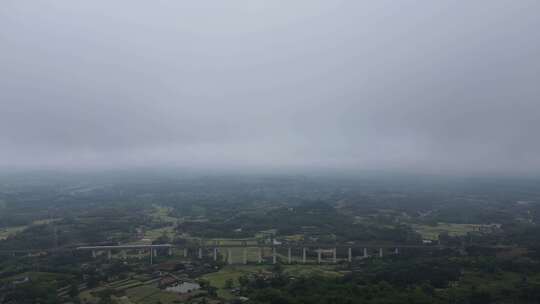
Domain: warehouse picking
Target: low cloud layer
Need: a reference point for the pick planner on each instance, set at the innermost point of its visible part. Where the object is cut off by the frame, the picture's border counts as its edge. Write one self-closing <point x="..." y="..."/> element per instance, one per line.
<point x="437" y="86"/>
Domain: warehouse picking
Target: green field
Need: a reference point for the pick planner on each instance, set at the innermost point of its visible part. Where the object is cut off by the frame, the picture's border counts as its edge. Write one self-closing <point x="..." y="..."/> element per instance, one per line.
<point x="494" y="282"/>
<point x="161" y="213"/>
<point x="9" y="231"/>
<point x="87" y="297"/>
<point x="149" y="294"/>
<point x="218" y="279"/>
<point x="237" y="253"/>
<point x="6" y="232"/>
<point x="39" y="276"/>
<point x="233" y="272"/>
<point x="498" y="284"/>
<point x="294" y="238"/>
<point x="135" y="292"/>
<point x="156" y="233"/>
<point x="432" y="232"/>
<point x="230" y="242"/>
<point x="327" y="271"/>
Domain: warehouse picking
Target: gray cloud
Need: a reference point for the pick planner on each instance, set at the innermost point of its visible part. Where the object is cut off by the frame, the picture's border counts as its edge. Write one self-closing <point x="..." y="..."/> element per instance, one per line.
<point x="439" y="86"/>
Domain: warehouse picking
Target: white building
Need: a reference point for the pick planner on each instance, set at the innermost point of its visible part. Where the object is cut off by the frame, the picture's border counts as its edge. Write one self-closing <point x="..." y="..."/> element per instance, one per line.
<point x="184" y="287"/>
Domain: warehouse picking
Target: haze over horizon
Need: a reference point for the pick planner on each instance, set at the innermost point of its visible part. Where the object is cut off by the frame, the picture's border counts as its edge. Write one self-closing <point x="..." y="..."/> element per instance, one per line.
<point x="421" y="86"/>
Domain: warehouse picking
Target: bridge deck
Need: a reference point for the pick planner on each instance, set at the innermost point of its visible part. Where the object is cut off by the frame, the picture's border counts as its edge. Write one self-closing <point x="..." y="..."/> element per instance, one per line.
<point x="208" y="247"/>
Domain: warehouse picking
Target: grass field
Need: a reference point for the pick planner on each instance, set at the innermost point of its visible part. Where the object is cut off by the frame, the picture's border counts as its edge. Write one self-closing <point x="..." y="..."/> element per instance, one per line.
<point x="149" y="294"/>
<point x="161" y="213"/>
<point x="233" y="272"/>
<point x="9" y="231"/>
<point x="327" y="271"/>
<point x="122" y="300"/>
<point x="120" y="282"/>
<point x="493" y="282"/>
<point x="294" y="237"/>
<point x="6" y="232"/>
<point x="432" y="232"/>
<point x="252" y="254"/>
<point x="231" y="242"/>
<point x="218" y="279"/>
<point x="497" y="284"/>
<point x="135" y="292"/>
<point x="156" y="233"/>
<point x="39" y="276"/>
<point x="87" y="297"/>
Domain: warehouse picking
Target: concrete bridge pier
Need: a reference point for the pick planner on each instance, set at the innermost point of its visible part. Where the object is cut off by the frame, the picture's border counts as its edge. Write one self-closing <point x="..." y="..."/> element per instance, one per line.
<point x="215" y="254"/>
<point x="349" y="258"/>
<point x="155" y="252"/>
<point x="365" y="253"/>
<point x="319" y="255"/>
<point x="93" y="254"/>
<point x="380" y="252"/>
<point x="289" y="256"/>
<point x="303" y="255"/>
<point x="274" y="258"/>
<point x="260" y="255"/>
<point x="396" y="251"/>
<point x="185" y="252"/>
<point x="229" y="256"/>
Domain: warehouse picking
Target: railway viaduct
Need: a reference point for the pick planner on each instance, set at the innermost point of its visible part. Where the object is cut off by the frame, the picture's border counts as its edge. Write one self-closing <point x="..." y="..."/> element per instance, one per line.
<point x="325" y="253"/>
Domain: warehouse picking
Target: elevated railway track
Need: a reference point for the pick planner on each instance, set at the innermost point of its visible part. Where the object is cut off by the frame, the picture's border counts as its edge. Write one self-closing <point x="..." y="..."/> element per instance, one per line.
<point x="323" y="252"/>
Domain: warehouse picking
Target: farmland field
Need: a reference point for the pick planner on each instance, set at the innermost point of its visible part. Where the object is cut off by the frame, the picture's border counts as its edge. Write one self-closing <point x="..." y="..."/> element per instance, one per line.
<point x="149" y="294"/>
<point x="10" y="231"/>
<point x="432" y="232"/>
<point x="218" y="279"/>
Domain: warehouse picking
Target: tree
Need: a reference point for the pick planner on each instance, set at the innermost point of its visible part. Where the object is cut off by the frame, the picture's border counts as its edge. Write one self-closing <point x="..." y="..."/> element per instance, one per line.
<point x="163" y="239"/>
<point x="73" y="290"/>
<point x="480" y="297"/>
<point x="229" y="284"/>
<point x="243" y="281"/>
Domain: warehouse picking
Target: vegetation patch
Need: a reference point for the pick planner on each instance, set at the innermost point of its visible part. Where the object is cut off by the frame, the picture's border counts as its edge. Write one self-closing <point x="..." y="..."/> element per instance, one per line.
<point x="9" y="231"/>
<point x="149" y="294"/>
<point x="40" y="277"/>
<point x="230" y="273"/>
<point x="429" y="232"/>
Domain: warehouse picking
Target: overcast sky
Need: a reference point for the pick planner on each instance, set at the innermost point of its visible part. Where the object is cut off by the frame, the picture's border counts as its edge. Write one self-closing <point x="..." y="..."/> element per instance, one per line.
<point x="436" y="86"/>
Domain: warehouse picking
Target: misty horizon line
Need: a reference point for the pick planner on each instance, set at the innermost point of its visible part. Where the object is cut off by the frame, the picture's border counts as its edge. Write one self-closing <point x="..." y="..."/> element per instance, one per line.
<point x="261" y="171"/>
